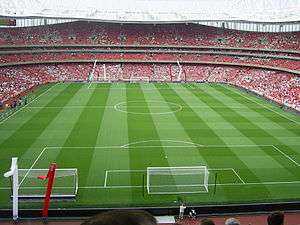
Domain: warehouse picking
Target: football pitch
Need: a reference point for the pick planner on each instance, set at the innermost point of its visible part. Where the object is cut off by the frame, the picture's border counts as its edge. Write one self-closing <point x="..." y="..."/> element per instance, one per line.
<point x="112" y="132"/>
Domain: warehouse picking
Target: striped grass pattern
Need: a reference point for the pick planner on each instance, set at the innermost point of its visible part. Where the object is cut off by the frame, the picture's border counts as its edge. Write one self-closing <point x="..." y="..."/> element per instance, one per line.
<point x="113" y="132"/>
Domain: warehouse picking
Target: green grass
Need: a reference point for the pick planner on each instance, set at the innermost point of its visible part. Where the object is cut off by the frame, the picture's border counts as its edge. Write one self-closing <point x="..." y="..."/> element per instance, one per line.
<point x="118" y="130"/>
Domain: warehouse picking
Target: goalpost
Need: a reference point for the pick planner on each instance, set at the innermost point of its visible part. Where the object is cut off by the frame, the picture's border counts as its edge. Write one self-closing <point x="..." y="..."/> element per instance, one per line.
<point x="134" y="79"/>
<point x="92" y="73"/>
<point x="13" y="172"/>
<point x="180" y="71"/>
<point x="104" y="76"/>
<point x="66" y="183"/>
<point x="177" y="180"/>
<point x="27" y="184"/>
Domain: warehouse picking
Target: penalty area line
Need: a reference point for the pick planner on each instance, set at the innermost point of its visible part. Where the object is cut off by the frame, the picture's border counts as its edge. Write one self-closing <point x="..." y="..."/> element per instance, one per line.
<point x="128" y="146"/>
<point x="225" y="184"/>
<point x="285" y="155"/>
<point x="238" y="176"/>
<point x="41" y="153"/>
<point x="105" y="180"/>
<point x="143" y="171"/>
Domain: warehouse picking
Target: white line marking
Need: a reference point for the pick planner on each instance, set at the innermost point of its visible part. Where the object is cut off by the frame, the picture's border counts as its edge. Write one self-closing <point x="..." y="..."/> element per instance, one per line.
<point x="187" y="146"/>
<point x="162" y="146"/>
<point x="89" y="147"/>
<point x="118" y="107"/>
<point x="109" y="106"/>
<point x="287" y="156"/>
<point x="220" y="169"/>
<point x="160" y="141"/>
<point x="126" y="146"/>
<point x="77" y="147"/>
<point x="137" y="171"/>
<point x="258" y="103"/>
<point x="125" y="171"/>
<point x="119" y="171"/>
<point x="238" y="146"/>
<point x="192" y="144"/>
<point x="124" y="186"/>
<point x="134" y="88"/>
<point x="105" y="180"/>
<point x="238" y="176"/>
<point x="90" y="85"/>
<point x="41" y="187"/>
<point x="205" y="146"/>
<point x="26" y="106"/>
<point x="32" y="165"/>
<point x="69" y="107"/>
<point x="227" y="184"/>
<point x="158" y="146"/>
<point x="260" y="183"/>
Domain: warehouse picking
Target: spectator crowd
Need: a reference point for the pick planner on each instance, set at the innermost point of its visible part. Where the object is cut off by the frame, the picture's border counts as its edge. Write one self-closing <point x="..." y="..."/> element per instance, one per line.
<point x="139" y="217"/>
<point x="281" y="87"/>
<point x="82" y="32"/>
<point x="282" y="63"/>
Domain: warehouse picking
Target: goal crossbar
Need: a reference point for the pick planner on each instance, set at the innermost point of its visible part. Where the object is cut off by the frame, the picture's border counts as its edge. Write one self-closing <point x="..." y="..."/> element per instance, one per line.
<point x="66" y="183"/>
<point x="30" y="183"/>
<point x="176" y="180"/>
<point x="133" y="79"/>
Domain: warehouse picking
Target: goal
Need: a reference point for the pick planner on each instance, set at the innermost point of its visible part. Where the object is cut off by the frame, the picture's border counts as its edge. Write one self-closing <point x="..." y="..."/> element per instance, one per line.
<point x="177" y="180"/>
<point x="134" y="79"/>
<point x="65" y="184"/>
<point x="29" y="184"/>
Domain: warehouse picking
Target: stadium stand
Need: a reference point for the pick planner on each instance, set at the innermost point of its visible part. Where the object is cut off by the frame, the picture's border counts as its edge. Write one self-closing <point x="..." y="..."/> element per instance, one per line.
<point x="116" y="41"/>
<point x="99" y="130"/>
<point x="162" y="34"/>
<point x="283" y="88"/>
<point x="283" y="63"/>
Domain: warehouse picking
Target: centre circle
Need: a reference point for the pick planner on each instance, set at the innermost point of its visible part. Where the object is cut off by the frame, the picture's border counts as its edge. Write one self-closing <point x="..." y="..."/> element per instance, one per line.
<point x="149" y="107"/>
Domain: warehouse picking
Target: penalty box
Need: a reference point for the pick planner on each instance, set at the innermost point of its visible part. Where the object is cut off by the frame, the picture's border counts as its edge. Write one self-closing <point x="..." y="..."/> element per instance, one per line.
<point x="108" y="162"/>
<point x="137" y="178"/>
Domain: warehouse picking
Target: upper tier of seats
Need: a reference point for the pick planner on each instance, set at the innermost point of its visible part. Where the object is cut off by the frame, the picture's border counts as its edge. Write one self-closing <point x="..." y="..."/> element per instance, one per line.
<point x="146" y="34"/>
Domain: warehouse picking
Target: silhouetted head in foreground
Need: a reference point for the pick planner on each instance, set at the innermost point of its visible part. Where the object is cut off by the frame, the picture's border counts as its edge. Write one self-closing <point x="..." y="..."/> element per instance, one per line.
<point x="122" y="217"/>
<point x="232" y="221"/>
<point x="207" y="222"/>
<point x="276" y="218"/>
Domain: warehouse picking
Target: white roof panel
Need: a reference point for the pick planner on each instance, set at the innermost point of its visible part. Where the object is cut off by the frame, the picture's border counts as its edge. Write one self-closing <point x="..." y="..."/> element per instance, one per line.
<point x="156" y="10"/>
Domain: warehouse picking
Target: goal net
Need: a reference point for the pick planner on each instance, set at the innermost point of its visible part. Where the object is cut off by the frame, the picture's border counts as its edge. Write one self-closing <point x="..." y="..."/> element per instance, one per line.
<point x="133" y="79"/>
<point x="176" y="180"/>
<point x="102" y="75"/>
<point x="92" y="73"/>
<point x="65" y="183"/>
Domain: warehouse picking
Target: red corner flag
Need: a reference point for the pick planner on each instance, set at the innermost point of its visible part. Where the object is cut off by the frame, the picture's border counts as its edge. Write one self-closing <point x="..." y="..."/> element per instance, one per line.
<point x="50" y="176"/>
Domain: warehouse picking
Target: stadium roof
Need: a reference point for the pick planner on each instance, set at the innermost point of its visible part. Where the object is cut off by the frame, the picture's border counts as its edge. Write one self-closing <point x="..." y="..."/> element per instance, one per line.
<point x="155" y="10"/>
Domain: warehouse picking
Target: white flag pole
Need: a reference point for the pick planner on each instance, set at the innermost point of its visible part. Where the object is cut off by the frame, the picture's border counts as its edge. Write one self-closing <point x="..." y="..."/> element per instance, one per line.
<point x="15" y="185"/>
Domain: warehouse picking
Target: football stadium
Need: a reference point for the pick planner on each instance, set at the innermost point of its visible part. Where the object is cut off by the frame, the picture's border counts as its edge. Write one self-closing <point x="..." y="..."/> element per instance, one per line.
<point x="179" y="108"/>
